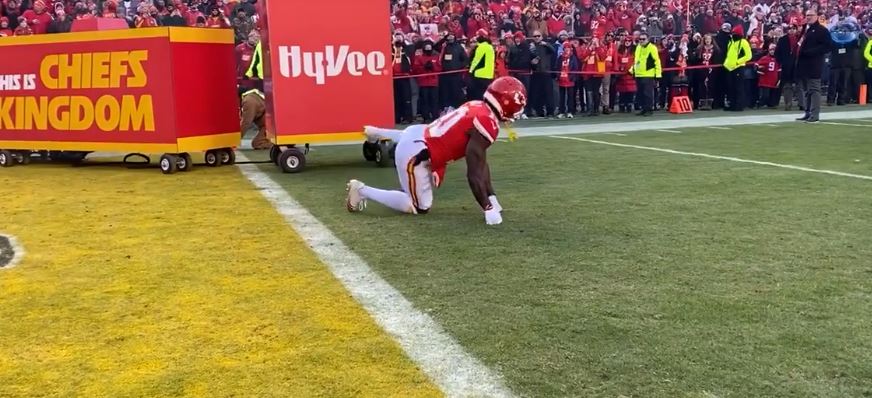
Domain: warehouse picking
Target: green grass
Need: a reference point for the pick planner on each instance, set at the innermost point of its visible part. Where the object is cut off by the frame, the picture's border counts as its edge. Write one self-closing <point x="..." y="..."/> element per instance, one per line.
<point x="624" y="272"/>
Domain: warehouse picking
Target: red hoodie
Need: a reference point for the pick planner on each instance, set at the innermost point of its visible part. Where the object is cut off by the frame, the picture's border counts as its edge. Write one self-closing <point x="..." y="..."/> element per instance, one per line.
<point x="419" y="67"/>
<point x="42" y="21"/>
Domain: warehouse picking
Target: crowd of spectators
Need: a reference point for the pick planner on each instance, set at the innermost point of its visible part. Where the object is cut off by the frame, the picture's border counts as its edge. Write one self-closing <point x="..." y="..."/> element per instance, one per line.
<point x="573" y="56"/>
<point x="30" y="17"/>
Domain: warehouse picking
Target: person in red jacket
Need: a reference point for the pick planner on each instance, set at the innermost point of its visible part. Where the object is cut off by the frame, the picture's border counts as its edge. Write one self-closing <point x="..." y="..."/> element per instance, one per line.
<point x="593" y="59"/>
<point x="502" y="53"/>
<point x="38" y="18"/>
<point x="768" y="69"/>
<point x="427" y="64"/>
<point x="567" y="66"/>
<point x="217" y="19"/>
<point x="4" y="27"/>
<point x="626" y="85"/>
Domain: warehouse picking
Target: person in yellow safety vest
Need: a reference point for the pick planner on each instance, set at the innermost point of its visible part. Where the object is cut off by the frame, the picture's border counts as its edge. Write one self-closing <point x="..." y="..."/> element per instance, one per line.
<point x="867" y="53"/>
<point x="255" y="70"/>
<point x="254" y="111"/>
<point x="482" y="67"/>
<point x="645" y="69"/>
<point x="738" y="54"/>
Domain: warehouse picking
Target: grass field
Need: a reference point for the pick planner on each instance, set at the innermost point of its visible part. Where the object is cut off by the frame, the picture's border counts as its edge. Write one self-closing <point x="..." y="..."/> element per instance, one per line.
<point x="137" y="284"/>
<point x="630" y="271"/>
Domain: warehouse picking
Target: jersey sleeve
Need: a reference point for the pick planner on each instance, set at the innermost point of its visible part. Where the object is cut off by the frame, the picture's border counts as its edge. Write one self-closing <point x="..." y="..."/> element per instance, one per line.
<point x="487" y="126"/>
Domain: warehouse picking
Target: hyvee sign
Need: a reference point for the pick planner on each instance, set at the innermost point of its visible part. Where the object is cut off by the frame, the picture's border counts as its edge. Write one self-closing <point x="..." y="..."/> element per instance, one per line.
<point x="322" y="80"/>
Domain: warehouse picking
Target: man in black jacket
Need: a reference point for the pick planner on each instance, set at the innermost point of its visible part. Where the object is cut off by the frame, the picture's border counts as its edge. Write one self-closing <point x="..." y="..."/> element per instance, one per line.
<point x="841" y="63"/>
<point x="453" y="58"/>
<point x="814" y="44"/>
<point x="719" y="79"/>
<point x="519" y="58"/>
<point x="541" y="82"/>
<point x="785" y="54"/>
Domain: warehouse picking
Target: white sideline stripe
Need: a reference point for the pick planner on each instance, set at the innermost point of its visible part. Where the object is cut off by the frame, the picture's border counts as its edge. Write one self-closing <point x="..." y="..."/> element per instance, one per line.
<point x="730" y="158"/>
<point x="846" y="124"/>
<point x="19" y="252"/>
<point x="770" y="125"/>
<point x="718" y="128"/>
<point x="617" y="134"/>
<point x="679" y="123"/>
<point x="670" y="131"/>
<point x="448" y="365"/>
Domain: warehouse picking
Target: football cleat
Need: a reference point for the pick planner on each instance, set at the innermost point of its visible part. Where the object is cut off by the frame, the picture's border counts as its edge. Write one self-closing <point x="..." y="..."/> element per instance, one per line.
<point x="354" y="202"/>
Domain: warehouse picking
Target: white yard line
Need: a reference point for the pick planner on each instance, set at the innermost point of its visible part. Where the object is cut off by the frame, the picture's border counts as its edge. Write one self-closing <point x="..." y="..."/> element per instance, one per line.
<point x="770" y="125"/>
<point x="669" y="131"/>
<point x="729" y="158"/>
<point x="449" y="366"/>
<point x="676" y="123"/>
<point x="718" y="128"/>
<point x="617" y="134"/>
<point x="846" y="124"/>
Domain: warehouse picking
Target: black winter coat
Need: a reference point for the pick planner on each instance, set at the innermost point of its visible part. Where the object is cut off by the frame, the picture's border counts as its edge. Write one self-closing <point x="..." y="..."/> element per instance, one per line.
<point x="786" y="59"/>
<point x="815" y="44"/>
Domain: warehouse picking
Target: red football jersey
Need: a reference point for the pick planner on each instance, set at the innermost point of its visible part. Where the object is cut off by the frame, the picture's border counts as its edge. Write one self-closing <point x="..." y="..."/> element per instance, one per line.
<point x="768" y="69"/>
<point x="448" y="136"/>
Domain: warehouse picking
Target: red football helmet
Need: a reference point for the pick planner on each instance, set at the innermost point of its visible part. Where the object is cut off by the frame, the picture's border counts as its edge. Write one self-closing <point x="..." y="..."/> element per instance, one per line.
<point x="508" y="96"/>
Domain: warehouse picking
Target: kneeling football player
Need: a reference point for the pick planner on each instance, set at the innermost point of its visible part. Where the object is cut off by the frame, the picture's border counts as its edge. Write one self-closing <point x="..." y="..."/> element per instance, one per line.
<point x="424" y="151"/>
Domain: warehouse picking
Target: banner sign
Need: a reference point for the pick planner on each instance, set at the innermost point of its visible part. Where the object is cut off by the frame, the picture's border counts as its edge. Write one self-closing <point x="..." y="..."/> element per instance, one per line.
<point x="324" y="83"/>
<point x="124" y="86"/>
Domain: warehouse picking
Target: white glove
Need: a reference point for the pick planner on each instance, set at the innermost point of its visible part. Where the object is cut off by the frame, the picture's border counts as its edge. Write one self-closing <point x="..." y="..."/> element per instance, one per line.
<point x="493" y="217"/>
<point x="494" y="203"/>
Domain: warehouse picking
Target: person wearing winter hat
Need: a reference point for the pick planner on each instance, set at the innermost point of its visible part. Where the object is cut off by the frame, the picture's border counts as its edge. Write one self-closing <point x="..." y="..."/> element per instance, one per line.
<point x="426" y="65"/>
<point x="482" y="67"/>
<point x="738" y="54"/>
<point x="38" y="18"/>
<point x="4" y="27"/>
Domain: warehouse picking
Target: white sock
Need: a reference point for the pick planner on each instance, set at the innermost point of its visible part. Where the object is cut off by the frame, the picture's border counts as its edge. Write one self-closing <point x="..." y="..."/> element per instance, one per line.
<point x="397" y="200"/>
<point x="380" y="133"/>
<point x="494" y="203"/>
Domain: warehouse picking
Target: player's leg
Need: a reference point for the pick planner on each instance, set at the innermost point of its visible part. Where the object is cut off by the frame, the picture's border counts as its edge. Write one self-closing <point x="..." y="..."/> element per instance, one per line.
<point x="374" y="134"/>
<point x="409" y="145"/>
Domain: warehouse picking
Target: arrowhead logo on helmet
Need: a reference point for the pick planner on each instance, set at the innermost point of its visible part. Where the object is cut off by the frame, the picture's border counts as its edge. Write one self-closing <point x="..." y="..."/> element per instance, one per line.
<point x="507" y="96"/>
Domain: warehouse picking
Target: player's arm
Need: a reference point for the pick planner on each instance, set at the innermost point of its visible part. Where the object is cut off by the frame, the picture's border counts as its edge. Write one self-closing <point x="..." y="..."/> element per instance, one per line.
<point x="477" y="171"/>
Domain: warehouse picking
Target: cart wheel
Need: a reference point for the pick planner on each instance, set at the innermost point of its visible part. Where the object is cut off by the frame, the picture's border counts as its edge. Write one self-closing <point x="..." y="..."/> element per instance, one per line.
<point x="383" y="155"/>
<point x="169" y="163"/>
<point x="6" y="159"/>
<point x="213" y="159"/>
<point x="227" y="156"/>
<point x="77" y="157"/>
<point x="274" y="153"/>
<point x="369" y="150"/>
<point x="292" y="160"/>
<point x="24" y="157"/>
<point x="184" y="163"/>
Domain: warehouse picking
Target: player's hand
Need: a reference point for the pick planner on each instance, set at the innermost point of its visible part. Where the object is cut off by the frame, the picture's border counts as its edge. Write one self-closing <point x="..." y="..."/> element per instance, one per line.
<point x="492" y="216"/>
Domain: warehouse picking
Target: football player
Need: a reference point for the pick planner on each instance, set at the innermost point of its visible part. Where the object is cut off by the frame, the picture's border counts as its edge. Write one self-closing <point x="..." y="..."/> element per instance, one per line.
<point x="424" y="151"/>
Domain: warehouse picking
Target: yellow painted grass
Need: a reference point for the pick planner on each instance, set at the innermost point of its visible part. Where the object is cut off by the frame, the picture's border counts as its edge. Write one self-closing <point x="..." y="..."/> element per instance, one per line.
<point x="140" y="284"/>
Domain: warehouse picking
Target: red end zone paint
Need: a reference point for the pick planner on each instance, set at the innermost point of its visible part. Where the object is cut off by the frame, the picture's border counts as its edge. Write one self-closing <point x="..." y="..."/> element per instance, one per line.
<point x="144" y="89"/>
<point x="323" y="83"/>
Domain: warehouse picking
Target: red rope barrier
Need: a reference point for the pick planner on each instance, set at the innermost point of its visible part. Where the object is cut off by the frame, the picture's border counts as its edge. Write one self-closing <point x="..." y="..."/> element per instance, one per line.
<point x="524" y="72"/>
